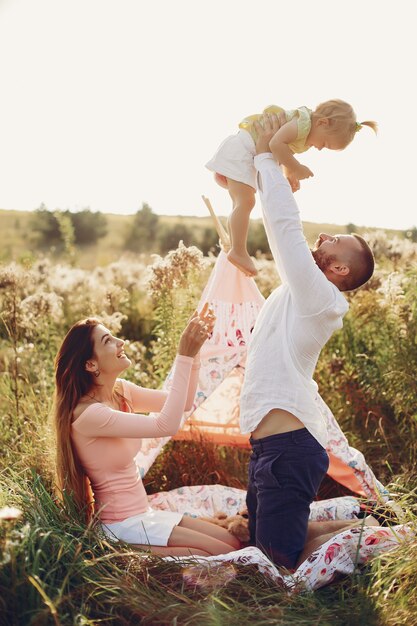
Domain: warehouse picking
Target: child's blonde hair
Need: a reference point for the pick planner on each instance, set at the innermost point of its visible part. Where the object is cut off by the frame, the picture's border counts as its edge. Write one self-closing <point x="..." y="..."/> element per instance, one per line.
<point x="342" y="119"/>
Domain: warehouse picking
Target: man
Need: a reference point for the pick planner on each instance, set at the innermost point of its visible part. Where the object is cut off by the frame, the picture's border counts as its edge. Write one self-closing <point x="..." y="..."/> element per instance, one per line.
<point x="280" y="402"/>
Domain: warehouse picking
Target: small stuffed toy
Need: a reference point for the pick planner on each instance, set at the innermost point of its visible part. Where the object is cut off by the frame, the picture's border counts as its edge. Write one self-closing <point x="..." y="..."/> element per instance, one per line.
<point x="237" y="525"/>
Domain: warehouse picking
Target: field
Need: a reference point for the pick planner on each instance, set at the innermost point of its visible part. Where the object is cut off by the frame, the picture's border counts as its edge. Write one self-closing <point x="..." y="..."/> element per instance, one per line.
<point x="53" y="570"/>
<point x="18" y="244"/>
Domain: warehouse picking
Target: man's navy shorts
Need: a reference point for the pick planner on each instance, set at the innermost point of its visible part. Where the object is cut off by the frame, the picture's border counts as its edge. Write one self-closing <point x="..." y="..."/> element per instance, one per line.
<point x="285" y="472"/>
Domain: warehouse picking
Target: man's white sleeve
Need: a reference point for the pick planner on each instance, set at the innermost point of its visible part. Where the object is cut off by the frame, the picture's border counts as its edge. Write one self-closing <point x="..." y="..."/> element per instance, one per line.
<point x="310" y="288"/>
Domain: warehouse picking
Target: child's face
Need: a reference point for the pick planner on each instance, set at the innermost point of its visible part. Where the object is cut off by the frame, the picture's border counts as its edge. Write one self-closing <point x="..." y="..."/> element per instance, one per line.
<point x="320" y="136"/>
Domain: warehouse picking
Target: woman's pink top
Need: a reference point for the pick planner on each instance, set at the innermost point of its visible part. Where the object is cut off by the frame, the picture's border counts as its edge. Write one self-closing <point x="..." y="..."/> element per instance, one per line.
<point x="107" y="440"/>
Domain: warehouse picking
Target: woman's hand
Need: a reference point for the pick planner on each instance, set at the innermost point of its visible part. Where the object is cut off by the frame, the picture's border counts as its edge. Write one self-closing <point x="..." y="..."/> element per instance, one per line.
<point x="199" y="328"/>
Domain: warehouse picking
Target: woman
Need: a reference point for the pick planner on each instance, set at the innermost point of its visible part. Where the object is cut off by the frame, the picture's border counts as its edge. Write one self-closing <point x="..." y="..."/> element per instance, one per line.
<point x="99" y="434"/>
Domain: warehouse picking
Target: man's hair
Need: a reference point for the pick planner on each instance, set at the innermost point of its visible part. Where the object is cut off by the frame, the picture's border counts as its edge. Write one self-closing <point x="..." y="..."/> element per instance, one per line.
<point x="361" y="268"/>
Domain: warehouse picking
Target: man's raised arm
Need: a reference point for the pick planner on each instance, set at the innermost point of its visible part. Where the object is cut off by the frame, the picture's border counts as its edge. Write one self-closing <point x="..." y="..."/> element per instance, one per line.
<point x="296" y="266"/>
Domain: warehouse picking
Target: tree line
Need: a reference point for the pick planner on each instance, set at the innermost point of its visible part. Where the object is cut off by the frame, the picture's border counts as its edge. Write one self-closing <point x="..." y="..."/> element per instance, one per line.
<point x="146" y="232"/>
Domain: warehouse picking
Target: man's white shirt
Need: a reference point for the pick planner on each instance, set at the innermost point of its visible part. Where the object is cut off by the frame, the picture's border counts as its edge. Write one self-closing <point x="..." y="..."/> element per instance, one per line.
<point x="296" y="321"/>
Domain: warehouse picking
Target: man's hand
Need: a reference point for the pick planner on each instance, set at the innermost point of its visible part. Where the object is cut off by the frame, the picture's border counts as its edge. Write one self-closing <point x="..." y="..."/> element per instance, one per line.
<point x="265" y="130"/>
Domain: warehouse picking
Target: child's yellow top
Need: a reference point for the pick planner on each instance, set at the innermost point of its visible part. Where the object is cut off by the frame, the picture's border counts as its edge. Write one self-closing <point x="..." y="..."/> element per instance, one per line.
<point x="303" y="115"/>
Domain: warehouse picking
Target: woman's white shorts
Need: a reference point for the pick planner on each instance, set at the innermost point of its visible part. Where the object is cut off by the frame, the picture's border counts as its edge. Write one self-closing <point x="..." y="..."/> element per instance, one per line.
<point x="152" y="528"/>
<point x="234" y="159"/>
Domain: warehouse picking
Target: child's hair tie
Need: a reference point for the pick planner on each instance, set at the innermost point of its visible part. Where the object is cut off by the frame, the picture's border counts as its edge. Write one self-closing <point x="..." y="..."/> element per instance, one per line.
<point x="358" y="127"/>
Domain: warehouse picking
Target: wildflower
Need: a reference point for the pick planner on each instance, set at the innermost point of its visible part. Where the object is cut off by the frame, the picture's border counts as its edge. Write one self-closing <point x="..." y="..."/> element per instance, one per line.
<point x="127" y="273"/>
<point x="64" y="280"/>
<point x="10" y="276"/>
<point x="174" y="270"/>
<point x="10" y="513"/>
<point x="41" y="305"/>
<point x="267" y="279"/>
<point x="116" y="296"/>
<point x="113" y="321"/>
<point x="392" y="289"/>
<point x="391" y="247"/>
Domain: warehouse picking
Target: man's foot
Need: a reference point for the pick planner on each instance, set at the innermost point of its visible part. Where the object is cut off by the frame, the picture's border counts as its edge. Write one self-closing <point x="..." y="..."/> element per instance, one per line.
<point x="384" y="514"/>
<point x="243" y="262"/>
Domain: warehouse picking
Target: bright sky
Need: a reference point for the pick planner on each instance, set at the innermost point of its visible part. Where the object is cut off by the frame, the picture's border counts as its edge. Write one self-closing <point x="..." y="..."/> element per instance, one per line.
<point x="110" y="103"/>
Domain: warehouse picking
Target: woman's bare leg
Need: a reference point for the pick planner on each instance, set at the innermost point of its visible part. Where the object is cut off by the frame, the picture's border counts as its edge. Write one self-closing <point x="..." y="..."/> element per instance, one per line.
<point x="211" y="530"/>
<point x="194" y="540"/>
<point x="186" y="540"/>
<point x="243" y="198"/>
<point x="195" y="537"/>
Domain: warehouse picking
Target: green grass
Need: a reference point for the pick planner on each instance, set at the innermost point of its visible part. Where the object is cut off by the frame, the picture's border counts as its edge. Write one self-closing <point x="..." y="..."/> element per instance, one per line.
<point x="56" y="571"/>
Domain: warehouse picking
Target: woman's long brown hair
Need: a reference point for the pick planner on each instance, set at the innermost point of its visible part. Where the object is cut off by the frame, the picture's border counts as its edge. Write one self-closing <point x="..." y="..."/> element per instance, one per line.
<point x="72" y="382"/>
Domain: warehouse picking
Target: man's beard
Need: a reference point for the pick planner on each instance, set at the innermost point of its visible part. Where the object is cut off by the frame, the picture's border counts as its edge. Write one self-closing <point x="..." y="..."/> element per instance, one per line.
<point x="323" y="260"/>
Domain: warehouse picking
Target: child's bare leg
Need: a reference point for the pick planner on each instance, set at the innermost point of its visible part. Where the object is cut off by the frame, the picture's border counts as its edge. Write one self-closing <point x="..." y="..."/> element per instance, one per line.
<point x="220" y="180"/>
<point x="243" y="198"/>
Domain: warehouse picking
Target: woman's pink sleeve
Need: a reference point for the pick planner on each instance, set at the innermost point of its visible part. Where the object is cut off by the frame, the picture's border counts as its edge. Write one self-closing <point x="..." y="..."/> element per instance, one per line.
<point x="145" y="400"/>
<point x="152" y="400"/>
<point x="99" y="420"/>
<point x="192" y="385"/>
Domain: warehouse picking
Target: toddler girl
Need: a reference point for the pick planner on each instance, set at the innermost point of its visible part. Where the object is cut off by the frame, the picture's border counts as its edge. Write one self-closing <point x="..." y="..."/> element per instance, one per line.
<point x="332" y="125"/>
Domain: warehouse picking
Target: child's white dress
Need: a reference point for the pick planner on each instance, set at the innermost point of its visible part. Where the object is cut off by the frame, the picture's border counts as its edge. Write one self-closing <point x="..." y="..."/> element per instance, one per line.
<point x="234" y="157"/>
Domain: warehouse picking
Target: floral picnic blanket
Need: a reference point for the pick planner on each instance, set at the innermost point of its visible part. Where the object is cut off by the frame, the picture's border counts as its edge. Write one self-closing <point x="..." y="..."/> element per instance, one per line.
<point x="341" y="555"/>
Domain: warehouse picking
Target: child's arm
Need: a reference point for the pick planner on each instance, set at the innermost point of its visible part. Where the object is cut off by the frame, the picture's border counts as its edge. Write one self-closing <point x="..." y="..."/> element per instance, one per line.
<point x="279" y="146"/>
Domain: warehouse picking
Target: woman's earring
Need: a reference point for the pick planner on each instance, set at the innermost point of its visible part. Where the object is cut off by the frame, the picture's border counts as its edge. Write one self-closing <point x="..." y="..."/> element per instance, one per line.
<point x="96" y="373"/>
